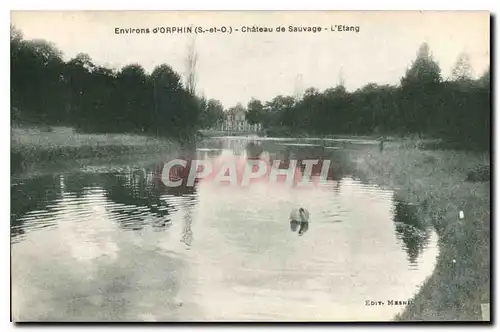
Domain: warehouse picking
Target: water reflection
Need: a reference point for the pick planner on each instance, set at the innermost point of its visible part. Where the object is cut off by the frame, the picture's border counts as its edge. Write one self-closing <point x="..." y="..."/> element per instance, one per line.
<point x="139" y="193"/>
<point x="319" y="153"/>
<point x="32" y="197"/>
<point x="412" y="232"/>
<point x="187" y="232"/>
<point x="301" y="226"/>
<point x="134" y="198"/>
<point x="117" y="239"/>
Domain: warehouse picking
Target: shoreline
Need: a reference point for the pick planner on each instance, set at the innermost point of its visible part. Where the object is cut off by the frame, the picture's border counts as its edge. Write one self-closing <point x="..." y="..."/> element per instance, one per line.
<point x="33" y="149"/>
<point x="434" y="181"/>
<point x="26" y="160"/>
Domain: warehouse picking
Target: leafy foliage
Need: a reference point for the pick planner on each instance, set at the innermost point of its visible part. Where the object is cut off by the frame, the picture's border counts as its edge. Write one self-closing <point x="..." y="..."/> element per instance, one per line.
<point x="45" y="88"/>
<point x="423" y="104"/>
<point x="93" y="98"/>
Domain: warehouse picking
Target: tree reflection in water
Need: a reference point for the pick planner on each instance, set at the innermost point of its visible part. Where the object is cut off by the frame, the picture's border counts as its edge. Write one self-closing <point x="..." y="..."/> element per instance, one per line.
<point x="141" y="197"/>
<point x="187" y="232"/>
<point x="146" y="198"/>
<point x="409" y="229"/>
<point x="31" y="195"/>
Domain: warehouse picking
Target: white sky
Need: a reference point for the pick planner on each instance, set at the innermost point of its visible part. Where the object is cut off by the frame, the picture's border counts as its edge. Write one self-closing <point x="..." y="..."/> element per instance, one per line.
<point x="233" y="68"/>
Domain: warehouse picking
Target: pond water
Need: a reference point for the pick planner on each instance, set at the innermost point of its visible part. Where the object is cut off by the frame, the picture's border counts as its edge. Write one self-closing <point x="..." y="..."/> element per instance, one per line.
<point x="112" y="243"/>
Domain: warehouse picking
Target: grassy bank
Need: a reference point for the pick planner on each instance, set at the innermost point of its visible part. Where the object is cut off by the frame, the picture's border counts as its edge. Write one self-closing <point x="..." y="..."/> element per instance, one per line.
<point x="435" y="183"/>
<point x="32" y="146"/>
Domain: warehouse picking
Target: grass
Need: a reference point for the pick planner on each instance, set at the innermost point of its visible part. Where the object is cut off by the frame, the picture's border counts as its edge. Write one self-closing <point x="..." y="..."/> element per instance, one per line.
<point x="435" y="182"/>
<point x="31" y="146"/>
<point x="67" y="137"/>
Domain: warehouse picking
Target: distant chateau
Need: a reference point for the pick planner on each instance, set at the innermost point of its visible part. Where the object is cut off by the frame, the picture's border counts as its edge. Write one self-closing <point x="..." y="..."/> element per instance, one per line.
<point x="235" y="120"/>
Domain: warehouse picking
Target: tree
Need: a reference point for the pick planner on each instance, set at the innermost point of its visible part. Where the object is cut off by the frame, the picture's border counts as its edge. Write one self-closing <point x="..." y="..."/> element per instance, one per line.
<point x="373" y="108"/>
<point x="298" y="89"/>
<point x="332" y="112"/>
<point x="135" y="96"/>
<point x="424" y="70"/>
<point x="191" y="63"/>
<point x="463" y="69"/>
<point x="212" y="113"/>
<point x="167" y="87"/>
<point x="78" y="94"/>
<point x="484" y="80"/>
<point x="311" y="92"/>
<point x="255" y="111"/>
<point x="15" y="34"/>
<point x="237" y="109"/>
<point x="102" y="100"/>
<point x="280" y="105"/>
<point x="37" y="80"/>
<point x="276" y="112"/>
<point x="304" y="113"/>
<point x="166" y="78"/>
<point x="93" y="98"/>
<point x="420" y="92"/>
<point x="46" y="51"/>
<point x="84" y="60"/>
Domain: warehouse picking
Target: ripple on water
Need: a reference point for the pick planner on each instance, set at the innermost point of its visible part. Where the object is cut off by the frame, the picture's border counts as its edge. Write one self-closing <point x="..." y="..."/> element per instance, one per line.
<point x="119" y="241"/>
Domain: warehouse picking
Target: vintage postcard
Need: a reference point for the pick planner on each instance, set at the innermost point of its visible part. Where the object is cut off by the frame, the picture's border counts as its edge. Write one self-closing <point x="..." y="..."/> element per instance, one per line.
<point x="259" y="166"/>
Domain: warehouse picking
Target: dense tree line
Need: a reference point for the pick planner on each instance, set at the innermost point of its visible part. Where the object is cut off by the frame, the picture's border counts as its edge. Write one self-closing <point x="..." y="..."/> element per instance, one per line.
<point x="457" y="110"/>
<point x="92" y="98"/>
<point x="45" y="88"/>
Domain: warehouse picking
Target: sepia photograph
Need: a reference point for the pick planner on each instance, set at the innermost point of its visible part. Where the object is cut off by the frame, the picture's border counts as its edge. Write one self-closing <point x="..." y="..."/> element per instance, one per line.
<point x="250" y="166"/>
